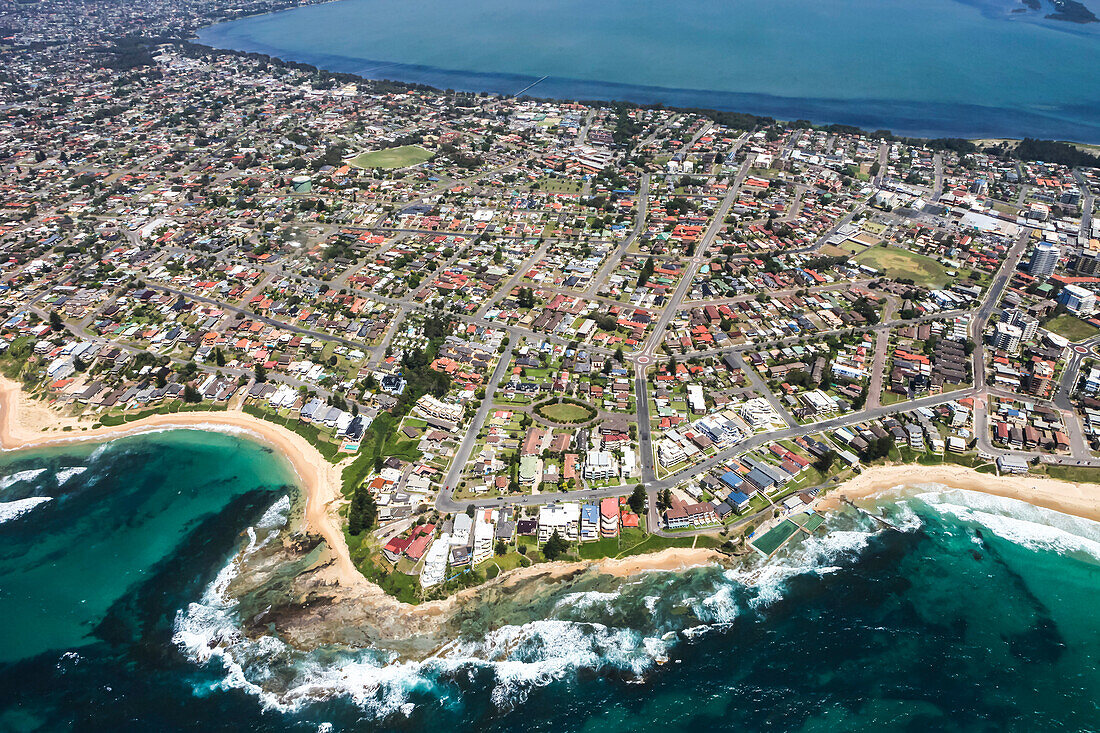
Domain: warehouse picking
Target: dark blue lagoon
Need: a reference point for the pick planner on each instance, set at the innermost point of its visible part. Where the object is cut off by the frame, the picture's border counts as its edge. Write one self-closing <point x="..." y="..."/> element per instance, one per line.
<point x="922" y="67"/>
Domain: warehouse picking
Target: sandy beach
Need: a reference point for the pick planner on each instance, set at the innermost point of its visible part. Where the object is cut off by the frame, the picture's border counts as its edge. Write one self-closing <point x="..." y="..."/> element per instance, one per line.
<point x="28" y="423"/>
<point x="1082" y="500"/>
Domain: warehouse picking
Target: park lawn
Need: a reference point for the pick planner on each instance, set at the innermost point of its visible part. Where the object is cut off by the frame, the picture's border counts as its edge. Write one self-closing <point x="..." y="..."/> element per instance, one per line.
<point x="401" y="157"/>
<point x="509" y="561"/>
<point x="566" y="412"/>
<point x="892" y="398"/>
<point x="1083" y="474"/>
<point x="558" y="185"/>
<point x="1072" y="327"/>
<point x="903" y="264"/>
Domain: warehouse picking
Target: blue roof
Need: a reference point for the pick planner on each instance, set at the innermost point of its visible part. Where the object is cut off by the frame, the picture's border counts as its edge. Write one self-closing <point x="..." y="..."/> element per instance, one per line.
<point x="590" y="512"/>
<point x="736" y="498"/>
<point x="731" y="479"/>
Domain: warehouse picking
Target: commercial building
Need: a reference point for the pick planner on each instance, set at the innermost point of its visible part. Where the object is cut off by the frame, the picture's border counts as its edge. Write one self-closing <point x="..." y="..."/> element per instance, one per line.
<point x="1007" y="337"/>
<point x="1077" y="300"/>
<point x="1011" y="464"/>
<point x="1044" y="260"/>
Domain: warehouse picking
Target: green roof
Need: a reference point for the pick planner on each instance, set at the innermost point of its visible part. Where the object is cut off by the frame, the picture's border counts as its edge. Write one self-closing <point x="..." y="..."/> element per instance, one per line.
<point x="528" y="465"/>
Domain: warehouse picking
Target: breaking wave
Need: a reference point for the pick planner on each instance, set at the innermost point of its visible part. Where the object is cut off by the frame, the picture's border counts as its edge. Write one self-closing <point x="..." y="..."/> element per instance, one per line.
<point x="1033" y="527"/>
<point x="67" y="473"/>
<point x="629" y="625"/>
<point x="577" y="633"/>
<point x="29" y="475"/>
<point x="759" y="585"/>
<point x="10" y="510"/>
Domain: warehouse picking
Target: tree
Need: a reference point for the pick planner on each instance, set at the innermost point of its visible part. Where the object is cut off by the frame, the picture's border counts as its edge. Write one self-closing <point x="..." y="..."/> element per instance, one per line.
<point x="362" y="512"/>
<point x="261" y="373"/>
<point x="666" y="498"/>
<point x="219" y="357"/>
<point x="554" y="546"/>
<point x="825" y="462"/>
<point x="637" y="499"/>
<point x="55" y="321"/>
<point x="190" y="394"/>
<point x="501" y="547"/>
<point x="647" y="270"/>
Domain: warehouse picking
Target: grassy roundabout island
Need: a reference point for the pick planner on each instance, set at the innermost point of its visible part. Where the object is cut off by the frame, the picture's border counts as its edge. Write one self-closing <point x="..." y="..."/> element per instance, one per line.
<point x="566" y="411"/>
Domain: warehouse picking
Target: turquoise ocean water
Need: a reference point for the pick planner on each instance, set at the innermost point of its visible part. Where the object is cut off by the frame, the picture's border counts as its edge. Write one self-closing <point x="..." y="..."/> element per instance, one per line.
<point x="976" y="613"/>
<point x="929" y="67"/>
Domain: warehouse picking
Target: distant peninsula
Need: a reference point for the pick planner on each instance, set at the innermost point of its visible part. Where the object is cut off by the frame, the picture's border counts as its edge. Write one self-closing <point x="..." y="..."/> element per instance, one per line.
<point x="1070" y="11"/>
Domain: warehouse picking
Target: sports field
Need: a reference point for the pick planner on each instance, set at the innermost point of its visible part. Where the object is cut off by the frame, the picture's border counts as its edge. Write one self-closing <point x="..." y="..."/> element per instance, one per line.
<point x="401" y="157"/>
<point x="903" y="264"/>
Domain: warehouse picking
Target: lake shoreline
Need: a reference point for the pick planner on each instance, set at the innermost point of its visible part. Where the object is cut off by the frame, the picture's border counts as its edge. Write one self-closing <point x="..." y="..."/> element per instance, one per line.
<point x="914" y="118"/>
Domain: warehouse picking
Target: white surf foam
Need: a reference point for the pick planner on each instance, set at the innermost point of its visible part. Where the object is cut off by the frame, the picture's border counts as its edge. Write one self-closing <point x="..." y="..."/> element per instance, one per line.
<point x="10" y="510"/>
<point x="67" y="473"/>
<point x="14" y="478"/>
<point x="587" y="599"/>
<point x="521" y="658"/>
<point x="1018" y="522"/>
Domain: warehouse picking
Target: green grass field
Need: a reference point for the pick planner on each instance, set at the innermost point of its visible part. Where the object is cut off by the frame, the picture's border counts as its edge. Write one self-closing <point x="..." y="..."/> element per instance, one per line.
<point x="1071" y="327"/>
<point x="401" y="157"/>
<point x="903" y="264"/>
<point x="566" y="412"/>
<point x="1073" y="473"/>
<point x="558" y="185"/>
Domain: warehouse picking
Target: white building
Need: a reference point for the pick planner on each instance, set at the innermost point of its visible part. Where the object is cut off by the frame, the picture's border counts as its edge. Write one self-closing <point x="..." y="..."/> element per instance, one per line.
<point x="695" y="399"/>
<point x="759" y="414"/>
<point x="629" y="463"/>
<point x="1044" y="260"/>
<point x="435" y="562"/>
<point x="600" y="465"/>
<point x="431" y="407"/>
<point x="463" y="529"/>
<point x="1077" y="300"/>
<point x="564" y="518"/>
<point x="484" y="529"/>
<point x="1007" y="337"/>
<point x="669" y="452"/>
